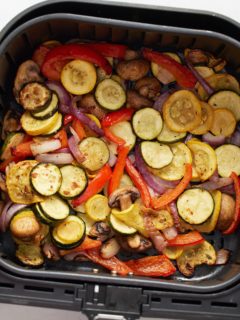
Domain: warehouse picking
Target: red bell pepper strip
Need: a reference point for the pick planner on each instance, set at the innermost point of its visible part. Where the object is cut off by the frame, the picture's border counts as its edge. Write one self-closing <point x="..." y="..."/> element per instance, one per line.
<point x="189" y="239"/>
<point x="112" y="118"/>
<point x="109" y="49"/>
<point x="171" y="195"/>
<point x="139" y="183"/>
<point x="152" y="266"/>
<point x="68" y="118"/>
<point x="118" y="169"/>
<point x="87" y="244"/>
<point x="62" y="136"/>
<point x="95" y="185"/>
<point x="182" y="74"/>
<point x="6" y="162"/>
<point x="236" y="218"/>
<point x="113" y="263"/>
<point x="79" y="129"/>
<point x="112" y="137"/>
<point x="23" y="150"/>
<point x="65" y="52"/>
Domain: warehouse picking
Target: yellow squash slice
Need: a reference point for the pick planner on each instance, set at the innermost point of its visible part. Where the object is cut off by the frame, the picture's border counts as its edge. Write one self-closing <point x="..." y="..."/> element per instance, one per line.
<point x="97" y="207"/>
<point x="18" y="183"/>
<point x="224" y="122"/>
<point x="182" y="111"/>
<point x="206" y="119"/>
<point x="79" y="77"/>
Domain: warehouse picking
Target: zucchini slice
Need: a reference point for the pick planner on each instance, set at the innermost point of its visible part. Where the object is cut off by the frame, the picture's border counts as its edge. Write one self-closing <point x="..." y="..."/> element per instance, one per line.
<point x="79" y="77"/>
<point x="228" y="156"/>
<point x="35" y="127"/>
<point x="30" y="255"/>
<point x="147" y="123"/>
<point x="56" y="127"/>
<point x="182" y="111"/>
<point x="124" y="130"/>
<point x="55" y="208"/>
<point x="46" y="178"/>
<point x="95" y="151"/>
<point x="49" y="111"/>
<point x="206" y="119"/>
<point x="13" y="139"/>
<point x="195" y="206"/>
<point x="41" y="216"/>
<point x="204" y="71"/>
<point x="74" y="181"/>
<point x="97" y="207"/>
<point x="226" y="99"/>
<point x="69" y="233"/>
<point x="204" y="160"/>
<point x="224" y="122"/>
<point x="169" y="136"/>
<point x="110" y="94"/>
<point x="88" y="221"/>
<point x="35" y="96"/>
<point x="120" y="226"/>
<point x="156" y="155"/>
<point x="176" y="169"/>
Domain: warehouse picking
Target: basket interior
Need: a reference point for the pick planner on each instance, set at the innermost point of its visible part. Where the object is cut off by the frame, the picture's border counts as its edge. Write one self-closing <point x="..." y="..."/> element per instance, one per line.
<point x="19" y="45"/>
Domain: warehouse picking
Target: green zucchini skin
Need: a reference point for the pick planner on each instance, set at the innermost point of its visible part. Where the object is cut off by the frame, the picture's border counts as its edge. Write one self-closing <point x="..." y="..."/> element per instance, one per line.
<point x="120" y="226"/>
<point x="55" y="208"/>
<point x="49" y="111"/>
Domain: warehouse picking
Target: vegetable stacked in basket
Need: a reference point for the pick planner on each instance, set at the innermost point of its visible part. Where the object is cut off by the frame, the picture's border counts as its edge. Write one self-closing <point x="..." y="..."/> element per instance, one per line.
<point x="116" y="151"/>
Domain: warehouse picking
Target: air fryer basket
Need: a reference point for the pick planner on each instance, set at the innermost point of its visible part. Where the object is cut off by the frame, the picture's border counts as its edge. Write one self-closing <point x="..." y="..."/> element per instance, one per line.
<point x="18" y="46"/>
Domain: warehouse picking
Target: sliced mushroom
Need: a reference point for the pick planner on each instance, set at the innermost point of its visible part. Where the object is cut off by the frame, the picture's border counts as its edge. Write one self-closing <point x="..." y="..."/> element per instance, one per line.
<point x="51" y="251"/>
<point x="110" y="248"/>
<point x="131" y="54"/>
<point x="134" y="243"/>
<point x="226" y="213"/>
<point x="11" y="123"/>
<point x="100" y="231"/>
<point x="148" y="87"/>
<point x="89" y="103"/>
<point x="122" y="198"/>
<point x="27" y="72"/>
<point x="136" y="101"/>
<point x="133" y="69"/>
<point x="3" y="185"/>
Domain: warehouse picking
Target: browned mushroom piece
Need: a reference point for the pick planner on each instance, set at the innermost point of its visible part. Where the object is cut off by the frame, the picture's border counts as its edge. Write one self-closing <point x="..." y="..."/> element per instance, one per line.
<point x="89" y="103"/>
<point x="148" y="87"/>
<point x="27" y="72"/>
<point x="131" y="54"/>
<point x="123" y="198"/>
<point x="50" y="251"/>
<point x="227" y="212"/>
<point x="25" y="225"/>
<point x="134" y="243"/>
<point x="196" y="56"/>
<point x="100" y="231"/>
<point x="136" y="101"/>
<point x="11" y="123"/>
<point x="133" y="69"/>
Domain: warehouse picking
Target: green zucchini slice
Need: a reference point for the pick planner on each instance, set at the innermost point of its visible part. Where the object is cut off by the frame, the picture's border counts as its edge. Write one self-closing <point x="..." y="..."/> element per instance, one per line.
<point x="41" y="216"/>
<point x="124" y="131"/>
<point x="55" y="208"/>
<point x="46" y="178"/>
<point x="226" y="99"/>
<point x="69" y="233"/>
<point x="195" y="206"/>
<point x="95" y="151"/>
<point x="57" y="126"/>
<point x="169" y="136"/>
<point x="147" y="123"/>
<point x="49" y="111"/>
<point x="110" y="94"/>
<point x="228" y="156"/>
<point x="120" y="226"/>
<point x="155" y="154"/>
<point x="74" y="181"/>
<point x="30" y="255"/>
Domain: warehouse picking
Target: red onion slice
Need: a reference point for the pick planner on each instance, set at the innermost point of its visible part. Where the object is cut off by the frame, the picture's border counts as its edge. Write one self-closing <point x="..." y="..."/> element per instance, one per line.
<point x="63" y="150"/>
<point x="158" y="104"/>
<point x="155" y="235"/>
<point x="63" y="95"/>
<point x="174" y="213"/>
<point x="74" y="133"/>
<point x="170" y="233"/>
<point x="213" y="141"/>
<point x="3" y="215"/>
<point x="112" y="159"/>
<point x="214" y="185"/>
<point x="45" y="146"/>
<point x="223" y="256"/>
<point x="73" y="146"/>
<point x="56" y="158"/>
<point x="11" y="212"/>
<point x="235" y="138"/>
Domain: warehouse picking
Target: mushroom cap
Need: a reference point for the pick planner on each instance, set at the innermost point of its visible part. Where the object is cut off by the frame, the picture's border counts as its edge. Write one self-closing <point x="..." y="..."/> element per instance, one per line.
<point x="114" y="199"/>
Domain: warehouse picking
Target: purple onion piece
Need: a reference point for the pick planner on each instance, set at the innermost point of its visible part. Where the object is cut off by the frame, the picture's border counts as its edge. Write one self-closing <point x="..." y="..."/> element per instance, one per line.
<point x="235" y="138"/>
<point x="64" y="108"/>
<point x="223" y="256"/>
<point x="62" y="93"/>
<point x="11" y="212"/>
<point x="214" y="185"/>
<point x="188" y="137"/>
<point x="86" y="120"/>
<point x="174" y="212"/>
<point x="73" y="146"/>
<point x="213" y="141"/>
<point x="200" y="79"/>
<point x="158" y="104"/>
<point x="3" y="215"/>
<point x="228" y="190"/>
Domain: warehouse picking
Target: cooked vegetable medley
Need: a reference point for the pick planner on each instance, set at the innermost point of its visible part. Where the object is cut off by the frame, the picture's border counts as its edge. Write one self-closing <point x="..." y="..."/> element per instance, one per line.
<point x="117" y="150"/>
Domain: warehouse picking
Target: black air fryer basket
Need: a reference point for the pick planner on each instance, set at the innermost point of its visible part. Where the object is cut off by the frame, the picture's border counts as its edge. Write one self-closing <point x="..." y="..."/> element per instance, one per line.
<point x="213" y="292"/>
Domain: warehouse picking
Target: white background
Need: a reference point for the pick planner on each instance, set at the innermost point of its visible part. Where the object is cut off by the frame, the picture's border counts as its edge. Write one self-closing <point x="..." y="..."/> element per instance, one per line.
<point x="9" y="9"/>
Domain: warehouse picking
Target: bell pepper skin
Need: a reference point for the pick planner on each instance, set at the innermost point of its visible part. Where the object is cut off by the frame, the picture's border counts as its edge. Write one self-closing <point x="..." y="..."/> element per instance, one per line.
<point x="139" y="183"/>
<point x="112" y="137"/>
<point x="109" y="49"/>
<point x="236" y="219"/>
<point x="68" y="118"/>
<point x="182" y="74"/>
<point x="152" y="266"/>
<point x="95" y="185"/>
<point x="87" y="244"/>
<point x="113" y="264"/>
<point x="114" y="117"/>
<point x="79" y="129"/>
<point x="118" y="169"/>
<point x="58" y="56"/>
<point x="5" y="163"/>
<point x="171" y="195"/>
<point x="62" y="136"/>
<point x="23" y="150"/>
<point x="189" y="239"/>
